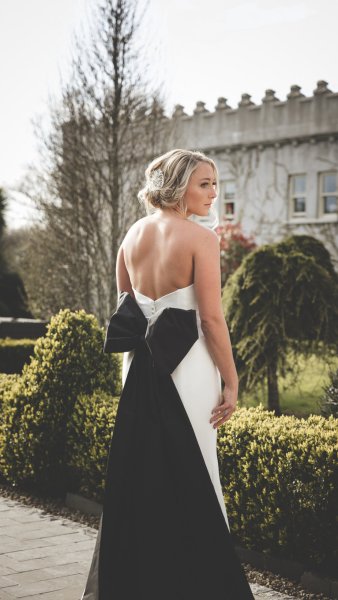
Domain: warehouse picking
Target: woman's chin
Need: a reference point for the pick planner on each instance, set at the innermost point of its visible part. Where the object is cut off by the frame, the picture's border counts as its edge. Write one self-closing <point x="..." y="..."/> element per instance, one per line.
<point x="203" y="212"/>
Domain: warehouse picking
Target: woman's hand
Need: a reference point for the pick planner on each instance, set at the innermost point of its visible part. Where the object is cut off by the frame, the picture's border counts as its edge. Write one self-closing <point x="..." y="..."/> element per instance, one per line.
<point x="222" y="412"/>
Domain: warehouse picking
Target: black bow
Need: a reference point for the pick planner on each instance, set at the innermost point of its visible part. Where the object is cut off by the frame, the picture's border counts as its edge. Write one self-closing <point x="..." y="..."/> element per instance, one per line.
<point x="168" y="339"/>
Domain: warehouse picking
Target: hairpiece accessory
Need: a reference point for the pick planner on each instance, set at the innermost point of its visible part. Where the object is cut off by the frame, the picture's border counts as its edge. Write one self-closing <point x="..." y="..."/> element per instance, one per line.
<point x="156" y="180"/>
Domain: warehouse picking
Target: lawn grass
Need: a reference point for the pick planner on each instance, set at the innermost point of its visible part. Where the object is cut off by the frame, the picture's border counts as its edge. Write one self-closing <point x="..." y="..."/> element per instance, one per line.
<point x="301" y="398"/>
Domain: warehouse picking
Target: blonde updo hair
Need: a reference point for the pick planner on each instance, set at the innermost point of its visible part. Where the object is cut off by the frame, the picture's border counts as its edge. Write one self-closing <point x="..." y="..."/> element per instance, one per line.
<point x="176" y="166"/>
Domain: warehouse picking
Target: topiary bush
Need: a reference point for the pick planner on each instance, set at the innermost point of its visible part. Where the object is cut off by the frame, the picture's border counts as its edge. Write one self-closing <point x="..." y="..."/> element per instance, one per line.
<point x="280" y="482"/>
<point x="67" y="361"/>
<point x="89" y="434"/>
<point x="6" y="384"/>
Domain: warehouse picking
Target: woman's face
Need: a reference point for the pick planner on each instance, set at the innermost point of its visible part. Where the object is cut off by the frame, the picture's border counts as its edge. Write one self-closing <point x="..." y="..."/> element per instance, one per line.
<point x="201" y="190"/>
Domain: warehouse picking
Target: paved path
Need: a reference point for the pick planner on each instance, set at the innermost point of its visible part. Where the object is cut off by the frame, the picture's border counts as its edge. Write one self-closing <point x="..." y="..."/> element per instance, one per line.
<point x="43" y="557"/>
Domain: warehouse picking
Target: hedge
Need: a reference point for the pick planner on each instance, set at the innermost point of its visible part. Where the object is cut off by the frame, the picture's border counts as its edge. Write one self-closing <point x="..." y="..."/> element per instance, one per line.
<point x="14" y="354"/>
<point x="89" y="435"/>
<point x="67" y="361"/>
<point x="280" y="481"/>
<point x="279" y="476"/>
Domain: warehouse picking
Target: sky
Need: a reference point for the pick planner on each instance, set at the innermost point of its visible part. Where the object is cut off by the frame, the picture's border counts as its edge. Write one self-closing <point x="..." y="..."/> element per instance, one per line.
<point x="197" y="50"/>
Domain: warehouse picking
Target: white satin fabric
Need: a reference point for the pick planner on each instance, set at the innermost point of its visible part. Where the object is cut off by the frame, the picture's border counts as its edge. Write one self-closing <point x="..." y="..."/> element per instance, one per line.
<point x="197" y="380"/>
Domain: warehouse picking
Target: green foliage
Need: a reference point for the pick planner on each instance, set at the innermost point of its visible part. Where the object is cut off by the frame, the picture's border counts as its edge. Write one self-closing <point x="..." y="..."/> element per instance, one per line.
<point x="310" y="291"/>
<point x="15" y="353"/>
<point x="89" y="435"/>
<point x="329" y="402"/>
<point x="280" y="482"/>
<point x="283" y="296"/>
<point x="6" y="384"/>
<point x="67" y="361"/>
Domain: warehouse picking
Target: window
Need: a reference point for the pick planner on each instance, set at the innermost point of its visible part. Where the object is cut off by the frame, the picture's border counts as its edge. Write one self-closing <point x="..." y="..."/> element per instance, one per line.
<point x="228" y="198"/>
<point x="328" y="194"/>
<point x="297" y="195"/>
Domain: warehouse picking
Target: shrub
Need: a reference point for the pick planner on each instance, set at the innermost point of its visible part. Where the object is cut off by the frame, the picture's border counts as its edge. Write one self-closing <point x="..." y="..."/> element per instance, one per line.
<point x="68" y="361"/>
<point x="89" y="435"/>
<point x="14" y="354"/>
<point x="280" y="482"/>
<point x="279" y="476"/>
<point x="234" y="246"/>
<point x="329" y="402"/>
<point x="6" y="384"/>
<point x="283" y="297"/>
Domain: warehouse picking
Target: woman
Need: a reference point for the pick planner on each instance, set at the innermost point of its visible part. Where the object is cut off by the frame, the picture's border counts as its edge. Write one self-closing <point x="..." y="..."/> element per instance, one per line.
<point x="164" y="532"/>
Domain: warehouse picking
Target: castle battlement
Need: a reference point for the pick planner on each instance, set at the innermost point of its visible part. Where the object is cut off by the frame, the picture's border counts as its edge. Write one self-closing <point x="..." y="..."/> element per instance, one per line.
<point x="298" y="118"/>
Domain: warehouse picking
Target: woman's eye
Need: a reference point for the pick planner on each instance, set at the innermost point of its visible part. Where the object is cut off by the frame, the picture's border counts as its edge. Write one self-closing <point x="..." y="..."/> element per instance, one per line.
<point x="206" y="184"/>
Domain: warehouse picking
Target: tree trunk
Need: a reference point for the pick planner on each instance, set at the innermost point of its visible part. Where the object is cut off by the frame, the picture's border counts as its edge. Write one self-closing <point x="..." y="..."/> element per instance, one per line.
<point x="273" y="394"/>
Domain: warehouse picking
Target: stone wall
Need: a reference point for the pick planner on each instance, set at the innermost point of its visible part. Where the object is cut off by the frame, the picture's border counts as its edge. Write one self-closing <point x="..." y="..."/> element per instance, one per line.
<point x="296" y="118"/>
<point x="259" y="148"/>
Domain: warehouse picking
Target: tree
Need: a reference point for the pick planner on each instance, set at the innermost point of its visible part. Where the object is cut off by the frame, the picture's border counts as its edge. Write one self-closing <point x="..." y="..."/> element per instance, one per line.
<point x="102" y="131"/>
<point x="283" y="297"/>
<point x="13" y="298"/>
<point x="31" y="253"/>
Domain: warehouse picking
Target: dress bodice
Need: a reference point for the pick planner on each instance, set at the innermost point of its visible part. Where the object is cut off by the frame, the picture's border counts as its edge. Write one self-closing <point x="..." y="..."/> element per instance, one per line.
<point x="181" y="298"/>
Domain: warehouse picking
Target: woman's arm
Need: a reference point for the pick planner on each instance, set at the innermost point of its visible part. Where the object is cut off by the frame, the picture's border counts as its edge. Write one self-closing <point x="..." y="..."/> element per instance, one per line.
<point x="207" y="279"/>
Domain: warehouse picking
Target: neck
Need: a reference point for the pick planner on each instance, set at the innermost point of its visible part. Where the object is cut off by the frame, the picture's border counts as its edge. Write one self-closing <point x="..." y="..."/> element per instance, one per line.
<point x="175" y="212"/>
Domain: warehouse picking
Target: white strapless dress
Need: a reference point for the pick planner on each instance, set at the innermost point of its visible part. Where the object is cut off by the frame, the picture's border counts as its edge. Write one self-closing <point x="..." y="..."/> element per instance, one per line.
<point x="164" y="532"/>
<point x="197" y="380"/>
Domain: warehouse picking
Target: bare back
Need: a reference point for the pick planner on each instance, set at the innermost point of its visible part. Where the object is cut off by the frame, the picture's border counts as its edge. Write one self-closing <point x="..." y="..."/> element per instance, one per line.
<point x="159" y="254"/>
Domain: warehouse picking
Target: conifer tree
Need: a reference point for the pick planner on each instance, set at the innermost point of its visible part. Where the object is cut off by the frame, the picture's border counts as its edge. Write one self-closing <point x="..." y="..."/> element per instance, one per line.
<point x="13" y="298"/>
<point x="283" y="297"/>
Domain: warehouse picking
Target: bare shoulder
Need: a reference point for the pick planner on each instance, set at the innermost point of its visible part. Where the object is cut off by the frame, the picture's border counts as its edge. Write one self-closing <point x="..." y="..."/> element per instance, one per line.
<point x="203" y="235"/>
<point x="135" y="227"/>
<point x="196" y="235"/>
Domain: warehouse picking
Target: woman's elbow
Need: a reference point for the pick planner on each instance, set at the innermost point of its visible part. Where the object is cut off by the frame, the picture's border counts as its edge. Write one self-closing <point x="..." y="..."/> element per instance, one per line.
<point x="211" y="323"/>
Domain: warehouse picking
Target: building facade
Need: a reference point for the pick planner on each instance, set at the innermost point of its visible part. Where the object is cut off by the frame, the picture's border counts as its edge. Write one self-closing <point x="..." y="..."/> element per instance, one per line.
<point x="278" y="161"/>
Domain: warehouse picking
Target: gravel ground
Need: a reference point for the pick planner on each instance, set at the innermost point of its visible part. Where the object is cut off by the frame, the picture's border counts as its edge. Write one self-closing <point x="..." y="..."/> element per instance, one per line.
<point x="57" y="507"/>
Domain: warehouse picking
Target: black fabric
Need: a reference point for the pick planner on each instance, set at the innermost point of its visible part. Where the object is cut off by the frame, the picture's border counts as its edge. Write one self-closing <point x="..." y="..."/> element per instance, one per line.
<point x="162" y="533"/>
